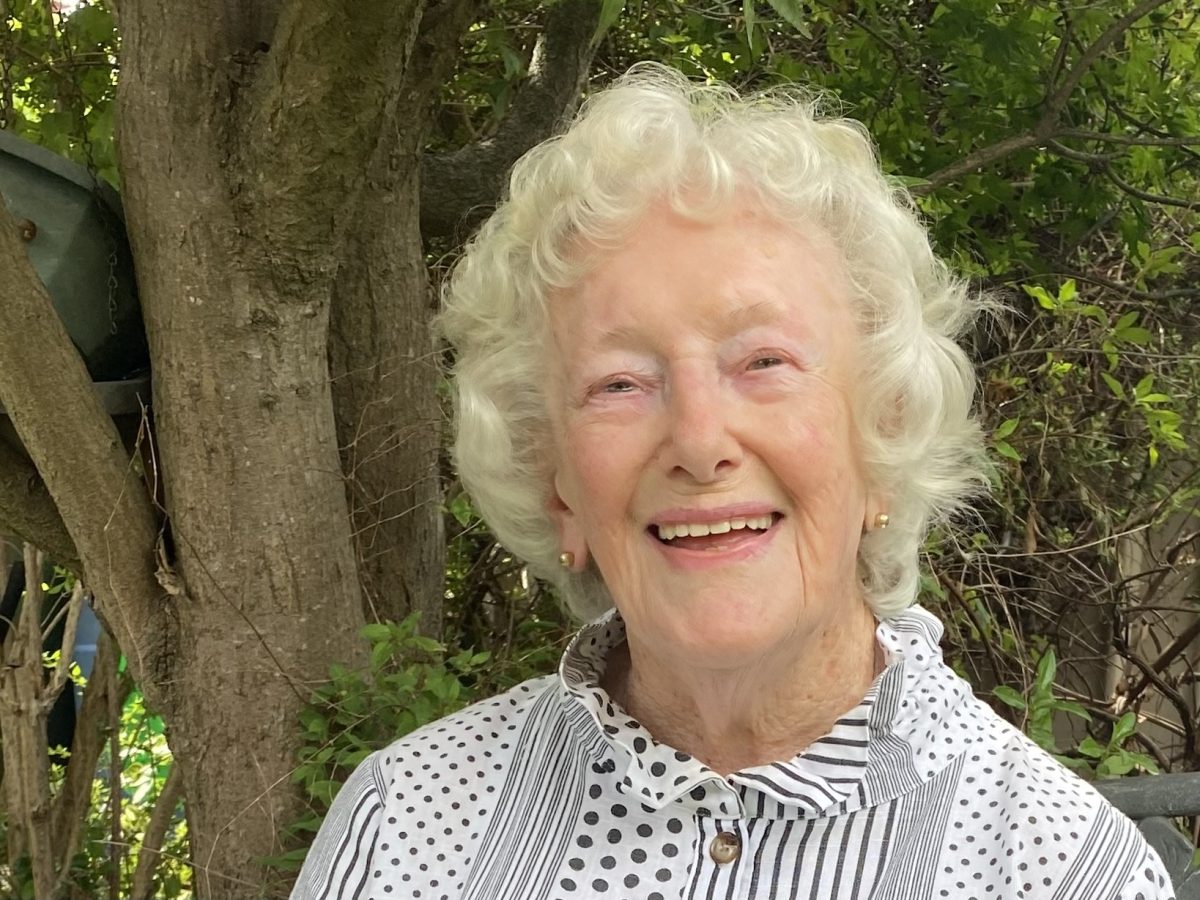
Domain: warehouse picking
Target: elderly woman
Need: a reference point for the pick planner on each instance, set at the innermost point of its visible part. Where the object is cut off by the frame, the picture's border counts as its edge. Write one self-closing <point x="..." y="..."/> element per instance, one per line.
<point x="708" y="385"/>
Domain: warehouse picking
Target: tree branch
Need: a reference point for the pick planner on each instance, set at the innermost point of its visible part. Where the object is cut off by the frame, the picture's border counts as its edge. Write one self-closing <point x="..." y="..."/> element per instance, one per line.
<point x="1129" y="290"/>
<point x="23" y="721"/>
<point x="75" y="446"/>
<point x="27" y="510"/>
<point x="1048" y="124"/>
<point x="303" y="167"/>
<point x="1057" y="101"/>
<point x="384" y="381"/>
<point x="75" y="796"/>
<point x="155" y="834"/>
<point x="1162" y="199"/>
<point x="459" y="188"/>
<point x="1130" y="139"/>
<point x="985" y="156"/>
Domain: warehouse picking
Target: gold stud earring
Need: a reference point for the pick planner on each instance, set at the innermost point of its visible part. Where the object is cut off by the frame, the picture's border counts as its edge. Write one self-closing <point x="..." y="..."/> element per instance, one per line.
<point x="566" y="559"/>
<point x="881" y="521"/>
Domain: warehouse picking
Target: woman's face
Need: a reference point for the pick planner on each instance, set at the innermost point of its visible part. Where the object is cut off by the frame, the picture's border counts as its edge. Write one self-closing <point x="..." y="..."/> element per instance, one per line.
<point x="704" y="376"/>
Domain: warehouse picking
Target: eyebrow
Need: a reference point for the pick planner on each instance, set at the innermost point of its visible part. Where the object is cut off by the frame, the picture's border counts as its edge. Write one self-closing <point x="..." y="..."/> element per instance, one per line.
<point x="735" y="321"/>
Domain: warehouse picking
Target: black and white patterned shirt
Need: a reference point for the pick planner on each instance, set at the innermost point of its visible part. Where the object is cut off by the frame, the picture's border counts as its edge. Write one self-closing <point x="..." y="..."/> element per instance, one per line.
<point x="551" y="791"/>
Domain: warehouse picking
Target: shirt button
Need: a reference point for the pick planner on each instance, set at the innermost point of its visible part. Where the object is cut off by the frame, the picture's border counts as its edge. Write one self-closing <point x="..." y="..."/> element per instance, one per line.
<point x="725" y="848"/>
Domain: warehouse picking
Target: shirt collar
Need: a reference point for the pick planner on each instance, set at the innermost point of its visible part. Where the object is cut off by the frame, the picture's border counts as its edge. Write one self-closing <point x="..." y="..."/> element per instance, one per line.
<point x="875" y="751"/>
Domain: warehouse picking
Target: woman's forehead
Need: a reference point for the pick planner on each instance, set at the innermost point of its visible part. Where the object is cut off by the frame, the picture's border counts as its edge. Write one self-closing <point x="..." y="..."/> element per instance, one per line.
<point x="743" y="270"/>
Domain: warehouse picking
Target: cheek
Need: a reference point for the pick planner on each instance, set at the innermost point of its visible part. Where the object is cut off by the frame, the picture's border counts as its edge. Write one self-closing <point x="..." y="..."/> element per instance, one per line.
<point x="602" y="469"/>
<point x="816" y="455"/>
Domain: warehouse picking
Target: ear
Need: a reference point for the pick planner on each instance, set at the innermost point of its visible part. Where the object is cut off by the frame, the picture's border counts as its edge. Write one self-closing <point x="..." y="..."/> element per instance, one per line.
<point x="570" y="530"/>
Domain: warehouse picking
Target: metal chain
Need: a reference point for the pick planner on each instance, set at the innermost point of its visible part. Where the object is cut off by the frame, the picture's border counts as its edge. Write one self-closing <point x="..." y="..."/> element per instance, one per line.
<point x="59" y="33"/>
<point x="7" y="52"/>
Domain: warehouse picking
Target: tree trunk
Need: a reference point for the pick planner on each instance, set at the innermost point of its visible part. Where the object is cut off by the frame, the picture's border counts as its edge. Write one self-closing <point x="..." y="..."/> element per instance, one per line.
<point x="234" y="187"/>
<point x="385" y="398"/>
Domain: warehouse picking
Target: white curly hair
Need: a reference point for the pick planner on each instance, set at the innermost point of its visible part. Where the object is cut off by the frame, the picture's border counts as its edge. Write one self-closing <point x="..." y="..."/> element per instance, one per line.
<point x="654" y="134"/>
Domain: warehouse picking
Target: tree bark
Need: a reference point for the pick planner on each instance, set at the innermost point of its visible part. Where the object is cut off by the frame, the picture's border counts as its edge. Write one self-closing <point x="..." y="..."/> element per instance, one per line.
<point x="460" y="189"/>
<point x="385" y="395"/>
<point x="383" y="359"/>
<point x="26" y="507"/>
<point x="241" y="162"/>
<point x="23" y="708"/>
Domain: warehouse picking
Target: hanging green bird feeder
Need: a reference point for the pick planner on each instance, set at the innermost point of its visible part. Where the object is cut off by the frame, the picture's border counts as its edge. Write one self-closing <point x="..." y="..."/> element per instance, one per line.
<point x="75" y="236"/>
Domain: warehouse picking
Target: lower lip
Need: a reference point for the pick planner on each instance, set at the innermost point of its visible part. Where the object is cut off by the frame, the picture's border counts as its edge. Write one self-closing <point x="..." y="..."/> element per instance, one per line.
<point x="744" y="547"/>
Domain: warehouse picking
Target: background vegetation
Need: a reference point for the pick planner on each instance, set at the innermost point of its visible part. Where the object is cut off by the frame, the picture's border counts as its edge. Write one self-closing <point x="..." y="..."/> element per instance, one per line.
<point x="1055" y="150"/>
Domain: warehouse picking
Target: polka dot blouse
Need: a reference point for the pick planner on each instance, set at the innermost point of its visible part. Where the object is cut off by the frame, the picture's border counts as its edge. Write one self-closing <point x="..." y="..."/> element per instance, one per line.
<point x="552" y="791"/>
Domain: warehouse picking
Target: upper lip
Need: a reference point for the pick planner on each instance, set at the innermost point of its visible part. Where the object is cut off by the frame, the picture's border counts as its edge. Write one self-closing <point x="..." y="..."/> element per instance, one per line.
<point x="693" y="516"/>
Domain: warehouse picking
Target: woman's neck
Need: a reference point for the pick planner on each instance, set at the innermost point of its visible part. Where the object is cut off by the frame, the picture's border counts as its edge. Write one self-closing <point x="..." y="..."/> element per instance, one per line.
<point x="735" y="719"/>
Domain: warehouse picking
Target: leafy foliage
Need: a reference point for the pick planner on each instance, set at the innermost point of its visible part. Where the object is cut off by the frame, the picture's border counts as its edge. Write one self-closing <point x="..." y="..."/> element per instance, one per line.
<point x="109" y="852"/>
<point x="412" y="681"/>
<point x="58" y="80"/>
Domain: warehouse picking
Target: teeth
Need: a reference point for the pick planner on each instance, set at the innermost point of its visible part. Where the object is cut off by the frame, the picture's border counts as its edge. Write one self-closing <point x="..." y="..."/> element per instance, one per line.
<point x="670" y="532"/>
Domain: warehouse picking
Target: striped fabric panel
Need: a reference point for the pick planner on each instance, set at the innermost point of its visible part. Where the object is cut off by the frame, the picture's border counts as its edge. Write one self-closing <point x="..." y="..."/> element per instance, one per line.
<point x="890" y="770"/>
<point x="338" y="862"/>
<point x="808" y="859"/>
<point x="820" y="778"/>
<point x="1103" y="863"/>
<point x="536" y="809"/>
<point x="918" y="838"/>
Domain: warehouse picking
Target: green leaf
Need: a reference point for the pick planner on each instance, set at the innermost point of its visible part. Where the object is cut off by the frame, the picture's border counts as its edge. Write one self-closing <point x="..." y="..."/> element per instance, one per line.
<point x="1089" y="746"/>
<point x="1072" y="708"/>
<point x="610" y="11"/>
<point x="751" y="17"/>
<point x="1007" y="427"/>
<point x="1126" y="320"/>
<point x="1008" y="696"/>
<point x="380" y="654"/>
<point x="375" y="632"/>
<point x="1135" y="335"/>
<point x="1114" y="386"/>
<point x="1120" y="763"/>
<point x="792" y="12"/>
<point x="1124" y="729"/>
<point x="1081" y="765"/>
<point x="1005" y="449"/>
<point x="1043" y="298"/>
<point x="460" y="508"/>
<point x="1046" y="668"/>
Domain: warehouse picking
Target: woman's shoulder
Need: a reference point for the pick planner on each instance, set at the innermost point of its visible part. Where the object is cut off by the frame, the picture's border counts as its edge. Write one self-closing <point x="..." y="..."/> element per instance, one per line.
<point x="1018" y="801"/>
<point x="485" y="725"/>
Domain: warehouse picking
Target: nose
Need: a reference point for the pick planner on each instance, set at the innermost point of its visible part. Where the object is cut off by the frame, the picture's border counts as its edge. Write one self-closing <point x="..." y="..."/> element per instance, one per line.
<point x="700" y="444"/>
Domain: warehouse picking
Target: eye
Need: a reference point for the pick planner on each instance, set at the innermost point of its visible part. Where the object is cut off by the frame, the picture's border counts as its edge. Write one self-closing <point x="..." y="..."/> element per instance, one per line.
<point x="766" y="361"/>
<point x="618" y="386"/>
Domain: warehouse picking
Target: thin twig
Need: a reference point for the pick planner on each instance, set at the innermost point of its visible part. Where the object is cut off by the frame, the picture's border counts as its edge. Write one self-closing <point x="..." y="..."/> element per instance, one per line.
<point x="114" y="785"/>
<point x="67" y="651"/>
<point x="156" y="832"/>
<point x="1129" y="139"/>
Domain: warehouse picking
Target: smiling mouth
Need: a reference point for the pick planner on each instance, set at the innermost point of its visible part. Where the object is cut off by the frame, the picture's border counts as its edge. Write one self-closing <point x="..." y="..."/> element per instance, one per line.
<point x="728" y="534"/>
